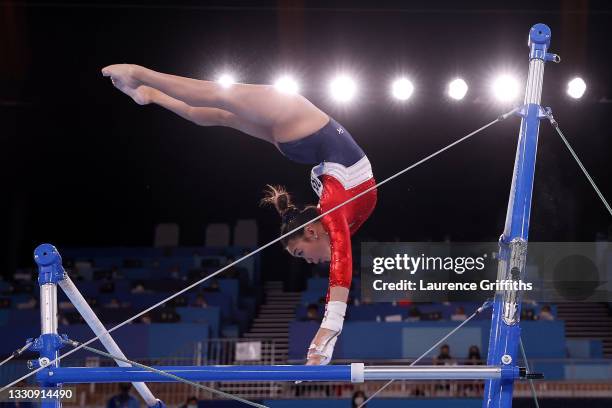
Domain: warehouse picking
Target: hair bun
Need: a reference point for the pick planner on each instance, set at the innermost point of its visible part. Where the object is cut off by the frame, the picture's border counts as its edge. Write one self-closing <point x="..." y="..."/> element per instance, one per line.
<point x="279" y="198"/>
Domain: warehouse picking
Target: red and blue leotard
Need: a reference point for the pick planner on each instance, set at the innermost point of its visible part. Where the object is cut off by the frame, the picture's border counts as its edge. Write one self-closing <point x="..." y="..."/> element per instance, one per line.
<point x="343" y="171"/>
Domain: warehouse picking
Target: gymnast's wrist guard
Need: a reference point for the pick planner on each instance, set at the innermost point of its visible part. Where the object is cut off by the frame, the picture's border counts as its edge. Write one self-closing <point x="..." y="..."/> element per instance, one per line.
<point x="334" y="316"/>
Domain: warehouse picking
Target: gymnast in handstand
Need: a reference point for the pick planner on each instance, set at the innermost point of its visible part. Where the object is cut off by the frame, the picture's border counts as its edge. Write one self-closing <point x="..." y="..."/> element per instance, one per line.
<point x="302" y="133"/>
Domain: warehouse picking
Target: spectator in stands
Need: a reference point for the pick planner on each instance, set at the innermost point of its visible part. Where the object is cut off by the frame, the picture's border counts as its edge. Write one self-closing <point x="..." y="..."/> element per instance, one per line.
<point x="433" y="316"/>
<point x="192" y="402"/>
<point x="528" y="314"/>
<point x="366" y="300"/>
<point x="31" y="303"/>
<point x="359" y="398"/>
<point x="474" y="357"/>
<point x="472" y="388"/>
<point x="138" y="288"/>
<point x="169" y="315"/>
<point x="214" y="286"/>
<point x="200" y="301"/>
<point x="179" y="301"/>
<point x="123" y="399"/>
<point x="414" y="314"/>
<point x="113" y="304"/>
<point x="146" y="319"/>
<point x="312" y="312"/>
<point x="444" y="358"/>
<point x="115" y="273"/>
<point x="546" y="313"/>
<point x="65" y="305"/>
<point x="175" y="272"/>
<point x="22" y="275"/>
<point x="459" y="314"/>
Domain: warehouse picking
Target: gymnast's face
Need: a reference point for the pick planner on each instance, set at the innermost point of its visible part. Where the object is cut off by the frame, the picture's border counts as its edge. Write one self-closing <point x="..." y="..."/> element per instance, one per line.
<point x="313" y="246"/>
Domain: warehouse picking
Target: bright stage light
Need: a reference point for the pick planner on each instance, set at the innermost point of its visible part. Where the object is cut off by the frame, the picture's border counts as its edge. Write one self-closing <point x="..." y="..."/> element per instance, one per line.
<point x="505" y="88"/>
<point x="226" y="80"/>
<point x="576" y="88"/>
<point x="343" y="88"/>
<point x="402" y="89"/>
<point x="286" y="84"/>
<point x="457" y="89"/>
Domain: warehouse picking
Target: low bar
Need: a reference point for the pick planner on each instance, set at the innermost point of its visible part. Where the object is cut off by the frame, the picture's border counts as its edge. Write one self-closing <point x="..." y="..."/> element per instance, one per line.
<point x="355" y="372"/>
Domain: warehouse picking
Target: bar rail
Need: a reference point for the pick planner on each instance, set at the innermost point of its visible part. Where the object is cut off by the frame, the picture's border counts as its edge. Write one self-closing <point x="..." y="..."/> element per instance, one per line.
<point x="355" y="372"/>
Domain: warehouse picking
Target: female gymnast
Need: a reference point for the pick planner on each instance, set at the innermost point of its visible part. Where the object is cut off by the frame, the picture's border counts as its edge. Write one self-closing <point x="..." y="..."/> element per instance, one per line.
<point x="301" y="132"/>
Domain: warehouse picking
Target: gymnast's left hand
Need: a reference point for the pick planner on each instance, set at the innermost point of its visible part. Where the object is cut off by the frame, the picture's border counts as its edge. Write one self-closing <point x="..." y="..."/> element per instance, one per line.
<point x="322" y="347"/>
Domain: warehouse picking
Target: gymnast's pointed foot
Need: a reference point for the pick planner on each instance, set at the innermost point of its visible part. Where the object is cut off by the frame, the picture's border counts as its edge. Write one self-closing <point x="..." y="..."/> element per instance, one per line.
<point x="124" y="78"/>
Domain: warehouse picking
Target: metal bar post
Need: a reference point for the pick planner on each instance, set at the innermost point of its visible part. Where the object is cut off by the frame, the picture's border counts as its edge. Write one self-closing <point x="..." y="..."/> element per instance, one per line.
<point x="49" y="342"/>
<point x="505" y="330"/>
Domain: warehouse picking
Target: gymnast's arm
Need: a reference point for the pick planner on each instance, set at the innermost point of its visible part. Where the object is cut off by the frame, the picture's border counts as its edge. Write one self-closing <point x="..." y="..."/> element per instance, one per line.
<point x="340" y="275"/>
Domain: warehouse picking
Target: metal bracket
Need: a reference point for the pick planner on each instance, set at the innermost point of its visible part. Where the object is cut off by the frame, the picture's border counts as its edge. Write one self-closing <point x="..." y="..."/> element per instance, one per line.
<point x="56" y="341"/>
<point x="543" y="113"/>
<point x="50" y="269"/>
<point x="514" y="272"/>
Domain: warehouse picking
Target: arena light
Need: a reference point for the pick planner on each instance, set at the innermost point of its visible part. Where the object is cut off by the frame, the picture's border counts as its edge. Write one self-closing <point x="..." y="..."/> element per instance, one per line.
<point x="343" y="88"/>
<point x="402" y="89"/>
<point x="286" y="84"/>
<point x="457" y="89"/>
<point x="505" y="88"/>
<point x="226" y="80"/>
<point x="576" y="88"/>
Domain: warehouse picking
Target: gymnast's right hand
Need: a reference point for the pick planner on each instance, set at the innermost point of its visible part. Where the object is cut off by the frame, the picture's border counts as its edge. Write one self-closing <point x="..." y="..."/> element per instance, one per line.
<point x="322" y="347"/>
<point x="125" y="78"/>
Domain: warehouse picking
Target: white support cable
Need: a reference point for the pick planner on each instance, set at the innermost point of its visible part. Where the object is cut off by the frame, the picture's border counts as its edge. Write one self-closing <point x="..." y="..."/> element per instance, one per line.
<point x="261" y="248"/>
<point x="554" y="124"/>
<point x="129" y="362"/>
<point x="534" y="394"/>
<point x="484" y="306"/>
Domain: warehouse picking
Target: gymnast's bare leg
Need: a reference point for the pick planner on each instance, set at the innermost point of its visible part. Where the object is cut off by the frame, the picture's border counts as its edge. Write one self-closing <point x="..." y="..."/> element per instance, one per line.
<point x="280" y="117"/>
<point x="144" y="95"/>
